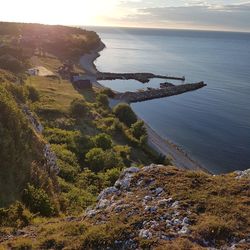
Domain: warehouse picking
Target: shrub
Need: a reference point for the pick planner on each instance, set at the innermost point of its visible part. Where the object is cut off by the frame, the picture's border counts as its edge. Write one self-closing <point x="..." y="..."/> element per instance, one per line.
<point x="77" y="199"/>
<point x="67" y="162"/>
<point x="78" y="108"/>
<point x="111" y="176"/>
<point x="33" y="94"/>
<point x="112" y="160"/>
<point x="96" y="159"/>
<point x="74" y="141"/>
<point x="17" y="91"/>
<point x="103" y="141"/>
<point x="109" y="92"/>
<point x="52" y="244"/>
<point x="103" y="100"/>
<point x="125" y="114"/>
<point x="37" y="200"/>
<point x="14" y="216"/>
<point x="16" y="148"/>
<point x="91" y="181"/>
<point x="138" y="130"/>
<point x="11" y="63"/>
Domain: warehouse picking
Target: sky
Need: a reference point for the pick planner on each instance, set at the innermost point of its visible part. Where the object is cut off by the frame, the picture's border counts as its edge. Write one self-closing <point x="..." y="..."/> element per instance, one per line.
<point x="229" y="15"/>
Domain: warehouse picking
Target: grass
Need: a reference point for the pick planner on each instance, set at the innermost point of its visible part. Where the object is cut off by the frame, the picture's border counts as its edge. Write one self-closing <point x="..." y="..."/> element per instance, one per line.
<point x="51" y="63"/>
<point x="55" y="93"/>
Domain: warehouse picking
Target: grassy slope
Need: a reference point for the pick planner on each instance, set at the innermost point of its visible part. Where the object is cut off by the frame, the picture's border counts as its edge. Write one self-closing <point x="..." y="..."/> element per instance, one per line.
<point x="55" y="93"/>
<point x="20" y="146"/>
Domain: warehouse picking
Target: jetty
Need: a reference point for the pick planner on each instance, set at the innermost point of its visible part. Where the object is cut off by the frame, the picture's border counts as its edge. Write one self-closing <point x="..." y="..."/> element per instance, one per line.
<point x="140" y="77"/>
<point x="152" y="93"/>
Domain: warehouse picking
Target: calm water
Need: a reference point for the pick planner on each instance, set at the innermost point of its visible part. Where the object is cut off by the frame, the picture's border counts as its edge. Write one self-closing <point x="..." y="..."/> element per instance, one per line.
<point x="212" y="124"/>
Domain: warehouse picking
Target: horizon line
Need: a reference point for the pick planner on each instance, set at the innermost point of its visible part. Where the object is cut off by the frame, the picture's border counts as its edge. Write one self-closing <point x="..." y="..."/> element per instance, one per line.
<point x="133" y="27"/>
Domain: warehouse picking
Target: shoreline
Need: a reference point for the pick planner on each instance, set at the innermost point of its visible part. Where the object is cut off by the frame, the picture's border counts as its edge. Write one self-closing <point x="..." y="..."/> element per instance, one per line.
<point x="179" y="157"/>
<point x="161" y="145"/>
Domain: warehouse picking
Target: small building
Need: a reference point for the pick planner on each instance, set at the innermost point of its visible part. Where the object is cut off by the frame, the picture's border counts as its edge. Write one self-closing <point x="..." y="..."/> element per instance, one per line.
<point x="33" y="72"/>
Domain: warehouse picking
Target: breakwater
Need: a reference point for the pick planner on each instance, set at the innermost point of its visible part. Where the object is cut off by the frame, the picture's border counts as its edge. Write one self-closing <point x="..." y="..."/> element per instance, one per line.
<point x="141" y="77"/>
<point x="140" y="96"/>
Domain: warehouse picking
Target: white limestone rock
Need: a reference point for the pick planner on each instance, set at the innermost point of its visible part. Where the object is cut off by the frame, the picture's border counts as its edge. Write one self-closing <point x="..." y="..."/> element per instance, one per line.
<point x="145" y="234"/>
<point x="106" y="192"/>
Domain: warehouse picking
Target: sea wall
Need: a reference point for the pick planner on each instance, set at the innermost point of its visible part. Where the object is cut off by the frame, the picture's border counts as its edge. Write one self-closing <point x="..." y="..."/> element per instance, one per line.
<point x="140" y="96"/>
<point x="141" y="77"/>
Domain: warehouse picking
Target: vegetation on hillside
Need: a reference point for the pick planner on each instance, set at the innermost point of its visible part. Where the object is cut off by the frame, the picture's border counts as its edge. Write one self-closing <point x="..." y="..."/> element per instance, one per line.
<point x="43" y="208"/>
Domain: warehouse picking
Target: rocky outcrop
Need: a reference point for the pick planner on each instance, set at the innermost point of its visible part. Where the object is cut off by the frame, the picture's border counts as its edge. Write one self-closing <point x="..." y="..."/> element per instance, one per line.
<point x="160" y="212"/>
<point x="51" y="159"/>
<point x="242" y="174"/>
<point x="49" y="155"/>
<point x="32" y="119"/>
<point x="142" y="195"/>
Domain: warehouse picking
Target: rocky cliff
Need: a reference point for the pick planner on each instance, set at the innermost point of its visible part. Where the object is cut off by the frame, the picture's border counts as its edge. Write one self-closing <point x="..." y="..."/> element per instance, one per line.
<point x="165" y="205"/>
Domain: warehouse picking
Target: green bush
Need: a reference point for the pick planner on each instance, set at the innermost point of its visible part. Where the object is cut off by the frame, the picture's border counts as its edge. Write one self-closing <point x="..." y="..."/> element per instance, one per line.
<point x="77" y="199"/>
<point x="16" y="148"/>
<point x="11" y="63"/>
<point x="17" y="91"/>
<point x="111" y="176"/>
<point x="14" y="216"/>
<point x="109" y="92"/>
<point x="74" y="141"/>
<point x="125" y="114"/>
<point x="78" y="108"/>
<point x="91" y="181"/>
<point x="52" y="244"/>
<point x="98" y="159"/>
<point x="95" y="158"/>
<point x="138" y="130"/>
<point x="103" y="141"/>
<point x="67" y="162"/>
<point x="102" y="100"/>
<point x="32" y="94"/>
<point x="37" y="200"/>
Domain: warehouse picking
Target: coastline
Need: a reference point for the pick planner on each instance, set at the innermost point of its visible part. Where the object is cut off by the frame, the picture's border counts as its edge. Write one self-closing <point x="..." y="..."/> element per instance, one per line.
<point x="179" y="157"/>
<point x="163" y="146"/>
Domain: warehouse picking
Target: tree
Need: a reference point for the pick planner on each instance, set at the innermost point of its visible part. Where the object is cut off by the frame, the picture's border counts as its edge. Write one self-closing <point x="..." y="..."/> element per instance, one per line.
<point x="103" y="100"/>
<point x="99" y="160"/>
<point x="103" y="141"/>
<point x="138" y="130"/>
<point x="109" y="92"/>
<point x="37" y="200"/>
<point x="78" y="108"/>
<point x="96" y="159"/>
<point x="125" y="114"/>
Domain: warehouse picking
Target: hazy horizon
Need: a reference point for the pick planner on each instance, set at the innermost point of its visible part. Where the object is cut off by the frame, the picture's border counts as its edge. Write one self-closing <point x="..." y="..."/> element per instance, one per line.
<point x="220" y="15"/>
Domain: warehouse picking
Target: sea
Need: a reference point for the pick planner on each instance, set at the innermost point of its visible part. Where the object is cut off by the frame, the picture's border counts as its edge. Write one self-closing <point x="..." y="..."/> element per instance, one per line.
<point x="211" y="124"/>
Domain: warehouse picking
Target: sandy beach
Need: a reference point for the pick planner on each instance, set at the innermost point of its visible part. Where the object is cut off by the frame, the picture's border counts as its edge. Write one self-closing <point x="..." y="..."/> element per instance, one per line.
<point x="162" y="146"/>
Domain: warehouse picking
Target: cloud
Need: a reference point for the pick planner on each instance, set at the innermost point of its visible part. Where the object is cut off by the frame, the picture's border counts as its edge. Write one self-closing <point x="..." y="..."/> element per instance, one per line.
<point x="198" y="15"/>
